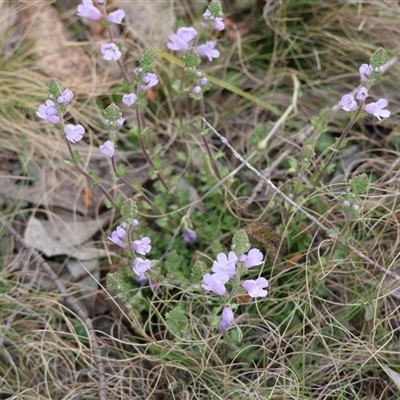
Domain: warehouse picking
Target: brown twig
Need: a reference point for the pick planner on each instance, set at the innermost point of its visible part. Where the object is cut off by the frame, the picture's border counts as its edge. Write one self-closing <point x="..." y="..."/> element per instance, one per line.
<point x="71" y="302"/>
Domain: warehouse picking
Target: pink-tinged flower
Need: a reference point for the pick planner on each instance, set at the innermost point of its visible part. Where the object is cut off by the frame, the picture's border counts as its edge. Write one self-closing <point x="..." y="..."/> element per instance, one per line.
<point x="226" y="318"/>
<point x="196" y="90"/>
<point x="203" y="81"/>
<point x="118" y="236"/>
<point x="215" y="283"/>
<point x="253" y="258"/>
<point x="377" y="109"/>
<point x="365" y="70"/>
<point x="255" y="287"/>
<point x="225" y="265"/>
<point x="362" y="93"/>
<point x="179" y="41"/>
<point x="189" y="235"/>
<point x="129" y="99"/>
<point x="88" y="10"/>
<point x="110" y="51"/>
<point x="207" y="50"/>
<point x="48" y="112"/>
<point x="74" y="133"/>
<point x="140" y="266"/>
<point x="218" y="24"/>
<point x="107" y="148"/>
<point x="142" y="246"/>
<point x="116" y="17"/>
<point x="348" y="103"/>
<point x="150" y="80"/>
<point x="65" y="97"/>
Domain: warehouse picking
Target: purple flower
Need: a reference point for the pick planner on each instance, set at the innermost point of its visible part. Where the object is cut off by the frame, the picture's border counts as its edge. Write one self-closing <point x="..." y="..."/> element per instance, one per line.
<point x="225" y="265"/>
<point x="226" y="318"/>
<point x="88" y="10"/>
<point x="362" y="93"/>
<point x="65" y="97"/>
<point x="150" y="80"/>
<point x="48" y="112"/>
<point x="116" y="17"/>
<point x="141" y="279"/>
<point x="179" y="41"/>
<point x="120" y="121"/>
<point x="107" y="148"/>
<point x="348" y="103"/>
<point x="215" y="283"/>
<point x="142" y="246"/>
<point x="255" y="287"/>
<point x="253" y="258"/>
<point x="140" y="266"/>
<point x="207" y="15"/>
<point x="208" y="50"/>
<point x="203" y="81"/>
<point x="110" y="51"/>
<point x="189" y="235"/>
<point x="118" y="236"/>
<point x="365" y="70"/>
<point x="74" y="133"/>
<point x="218" y="24"/>
<point x="346" y="203"/>
<point x="129" y="99"/>
<point x="377" y="109"/>
<point x="196" y="90"/>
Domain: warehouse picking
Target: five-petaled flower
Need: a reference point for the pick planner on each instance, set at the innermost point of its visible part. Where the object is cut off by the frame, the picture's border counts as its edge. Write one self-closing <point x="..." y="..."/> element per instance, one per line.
<point x="116" y="17"/>
<point x="207" y="50"/>
<point x="74" y="133"/>
<point x="348" y="103"/>
<point x="215" y="283"/>
<point x="362" y="93"/>
<point x="48" y="112"/>
<point x="150" y="80"/>
<point x="140" y="266"/>
<point x="142" y="246"/>
<point x="226" y="318"/>
<point x="88" y="10"/>
<point x="65" y="97"/>
<point x="110" y="51"/>
<point x="179" y="41"/>
<point x="377" y="109"/>
<point x="225" y="266"/>
<point x="253" y="258"/>
<point x="108" y="148"/>
<point x="118" y="236"/>
<point x="255" y="288"/>
<point x="129" y="99"/>
<point x="365" y="70"/>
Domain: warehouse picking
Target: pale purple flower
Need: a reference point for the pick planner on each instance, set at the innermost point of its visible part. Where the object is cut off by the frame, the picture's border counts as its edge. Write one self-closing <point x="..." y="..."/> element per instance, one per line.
<point x="203" y="81"/>
<point x="116" y="17"/>
<point x="120" y="121"/>
<point x="356" y="207"/>
<point x="74" y="133"/>
<point x="365" y="70"/>
<point x="142" y="246"/>
<point x="189" y="235"/>
<point x="65" y="97"/>
<point x="140" y="266"/>
<point x="346" y="203"/>
<point x="226" y="318"/>
<point x="100" y="1"/>
<point x="107" y="148"/>
<point x="137" y="71"/>
<point x="135" y="223"/>
<point x="253" y="258"/>
<point x="141" y="279"/>
<point x="207" y="15"/>
<point x="255" y="288"/>
<point x="48" y="112"/>
<point x="129" y="99"/>
<point x="110" y="51"/>
<point x="377" y="109"/>
<point x="179" y="41"/>
<point x="215" y="283"/>
<point x="208" y="50"/>
<point x="348" y="103"/>
<point x="187" y="34"/>
<point x="88" y="10"/>
<point x="225" y="265"/>
<point x="218" y="24"/>
<point x="196" y="90"/>
<point x="362" y="93"/>
<point x="118" y="236"/>
<point x="150" y="80"/>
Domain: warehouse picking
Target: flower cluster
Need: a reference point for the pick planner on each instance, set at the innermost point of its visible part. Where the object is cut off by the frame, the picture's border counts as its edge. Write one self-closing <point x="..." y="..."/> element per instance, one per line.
<point x="224" y="268"/>
<point x="54" y="108"/>
<point x="88" y="10"/>
<point x="121" y="236"/>
<point x="368" y="74"/>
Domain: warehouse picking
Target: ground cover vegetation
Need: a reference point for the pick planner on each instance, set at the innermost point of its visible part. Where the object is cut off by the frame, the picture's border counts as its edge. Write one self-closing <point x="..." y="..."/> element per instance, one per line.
<point x="199" y="200"/>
